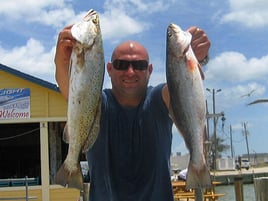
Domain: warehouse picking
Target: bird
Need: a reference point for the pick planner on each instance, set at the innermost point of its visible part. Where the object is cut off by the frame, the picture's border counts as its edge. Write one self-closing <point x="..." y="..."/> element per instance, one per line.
<point x="248" y="94"/>
<point x="258" y="101"/>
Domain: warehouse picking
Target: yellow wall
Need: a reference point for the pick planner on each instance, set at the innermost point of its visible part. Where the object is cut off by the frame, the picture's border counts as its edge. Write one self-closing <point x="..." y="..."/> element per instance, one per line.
<point x="44" y="101"/>
<point x="56" y="193"/>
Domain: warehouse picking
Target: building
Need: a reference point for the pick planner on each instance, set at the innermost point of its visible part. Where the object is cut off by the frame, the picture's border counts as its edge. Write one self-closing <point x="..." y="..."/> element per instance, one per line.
<point x="179" y="162"/>
<point x="32" y="118"/>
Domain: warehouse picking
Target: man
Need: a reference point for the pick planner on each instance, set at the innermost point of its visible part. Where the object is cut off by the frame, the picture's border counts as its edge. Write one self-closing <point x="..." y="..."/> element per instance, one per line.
<point x="130" y="158"/>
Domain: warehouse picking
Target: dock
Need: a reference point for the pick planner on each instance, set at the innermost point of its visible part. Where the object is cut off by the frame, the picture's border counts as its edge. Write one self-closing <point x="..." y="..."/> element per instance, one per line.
<point x="228" y="176"/>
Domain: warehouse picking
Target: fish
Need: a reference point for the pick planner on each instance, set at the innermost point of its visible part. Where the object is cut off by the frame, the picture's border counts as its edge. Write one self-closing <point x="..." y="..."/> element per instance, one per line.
<point x="187" y="102"/>
<point x="84" y="100"/>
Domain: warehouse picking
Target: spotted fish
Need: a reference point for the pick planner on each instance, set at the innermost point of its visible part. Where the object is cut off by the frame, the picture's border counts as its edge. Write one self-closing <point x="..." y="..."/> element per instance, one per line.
<point x="84" y="101"/>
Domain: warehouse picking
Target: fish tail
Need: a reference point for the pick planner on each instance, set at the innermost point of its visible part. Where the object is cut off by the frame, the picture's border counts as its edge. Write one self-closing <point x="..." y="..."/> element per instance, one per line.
<point x="197" y="177"/>
<point x="70" y="179"/>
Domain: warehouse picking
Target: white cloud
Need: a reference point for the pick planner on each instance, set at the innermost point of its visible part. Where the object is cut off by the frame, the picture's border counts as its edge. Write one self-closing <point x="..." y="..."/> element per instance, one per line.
<point x="116" y="24"/>
<point x="118" y="20"/>
<point x="126" y="17"/>
<point x="34" y="59"/>
<point x="30" y="58"/>
<point x="121" y="19"/>
<point x="235" y="67"/>
<point x="251" y="89"/>
<point x="248" y="12"/>
<point x="238" y="94"/>
<point x="47" y="12"/>
<point x="16" y="9"/>
<point x="133" y="7"/>
<point x="237" y="76"/>
<point x="56" y="18"/>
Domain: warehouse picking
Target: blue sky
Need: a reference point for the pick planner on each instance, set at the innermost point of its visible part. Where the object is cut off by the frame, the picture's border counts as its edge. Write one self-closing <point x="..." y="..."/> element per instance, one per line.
<point x="239" y="49"/>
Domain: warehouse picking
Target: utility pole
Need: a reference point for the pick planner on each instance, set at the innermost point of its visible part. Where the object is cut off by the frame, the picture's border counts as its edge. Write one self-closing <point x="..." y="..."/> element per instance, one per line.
<point x="214" y="124"/>
<point x="207" y="121"/>
<point x="207" y="141"/>
<point x="246" y="133"/>
<point x="231" y="139"/>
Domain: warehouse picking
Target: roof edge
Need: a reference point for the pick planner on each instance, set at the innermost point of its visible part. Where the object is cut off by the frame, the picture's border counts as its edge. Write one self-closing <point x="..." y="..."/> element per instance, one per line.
<point x="30" y="78"/>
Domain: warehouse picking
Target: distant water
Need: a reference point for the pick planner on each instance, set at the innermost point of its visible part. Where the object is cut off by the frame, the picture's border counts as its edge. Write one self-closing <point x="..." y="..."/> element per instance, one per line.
<point x="229" y="191"/>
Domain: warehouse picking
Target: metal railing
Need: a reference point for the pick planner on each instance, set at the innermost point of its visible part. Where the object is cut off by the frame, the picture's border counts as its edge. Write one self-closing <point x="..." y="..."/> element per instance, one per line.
<point x="24" y="181"/>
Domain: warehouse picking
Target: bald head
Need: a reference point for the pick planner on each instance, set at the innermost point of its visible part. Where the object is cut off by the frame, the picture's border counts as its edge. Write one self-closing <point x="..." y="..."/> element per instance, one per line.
<point x="130" y="50"/>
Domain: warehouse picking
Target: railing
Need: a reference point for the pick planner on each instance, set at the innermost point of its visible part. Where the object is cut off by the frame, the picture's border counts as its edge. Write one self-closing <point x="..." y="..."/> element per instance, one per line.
<point x="19" y="182"/>
<point x="180" y="192"/>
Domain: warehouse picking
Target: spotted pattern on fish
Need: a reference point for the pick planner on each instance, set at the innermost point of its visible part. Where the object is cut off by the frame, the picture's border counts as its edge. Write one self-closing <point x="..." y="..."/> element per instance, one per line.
<point x="84" y="101"/>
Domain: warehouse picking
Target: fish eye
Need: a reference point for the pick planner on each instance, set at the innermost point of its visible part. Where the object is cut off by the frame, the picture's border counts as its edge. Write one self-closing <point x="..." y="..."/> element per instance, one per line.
<point x="95" y="20"/>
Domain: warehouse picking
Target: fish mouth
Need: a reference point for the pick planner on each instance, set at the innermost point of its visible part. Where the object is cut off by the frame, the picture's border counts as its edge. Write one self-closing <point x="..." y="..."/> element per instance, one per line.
<point x="172" y="25"/>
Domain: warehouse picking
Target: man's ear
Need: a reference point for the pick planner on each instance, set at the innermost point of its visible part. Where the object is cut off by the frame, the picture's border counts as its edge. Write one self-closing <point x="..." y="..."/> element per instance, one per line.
<point x="150" y="68"/>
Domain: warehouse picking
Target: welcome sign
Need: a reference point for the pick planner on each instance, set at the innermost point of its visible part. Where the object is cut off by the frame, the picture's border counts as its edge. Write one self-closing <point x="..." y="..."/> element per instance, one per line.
<point x="15" y="103"/>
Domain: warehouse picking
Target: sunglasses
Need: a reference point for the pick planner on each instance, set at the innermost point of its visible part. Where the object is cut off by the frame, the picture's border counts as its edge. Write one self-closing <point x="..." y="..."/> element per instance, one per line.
<point x="124" y="64"/>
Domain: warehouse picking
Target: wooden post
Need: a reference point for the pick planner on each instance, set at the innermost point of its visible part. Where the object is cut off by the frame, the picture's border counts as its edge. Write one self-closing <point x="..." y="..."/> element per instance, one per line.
<point x="54" y="149"/>
<point x="44" y="160"/>
<point x="261" y="188"/>
<point x="84" y="195"/>
<point x="198" y="194"/>
<point x="238" y="181"/>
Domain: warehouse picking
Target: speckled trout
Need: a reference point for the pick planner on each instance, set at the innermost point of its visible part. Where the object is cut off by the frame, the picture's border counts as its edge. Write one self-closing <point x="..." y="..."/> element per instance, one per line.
<point x="187" y="102"/>
<point x="84" y="101"/>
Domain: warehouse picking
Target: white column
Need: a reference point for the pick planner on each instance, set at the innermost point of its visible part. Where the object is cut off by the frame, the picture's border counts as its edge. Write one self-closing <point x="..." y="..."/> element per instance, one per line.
<point x="44" y="160"/>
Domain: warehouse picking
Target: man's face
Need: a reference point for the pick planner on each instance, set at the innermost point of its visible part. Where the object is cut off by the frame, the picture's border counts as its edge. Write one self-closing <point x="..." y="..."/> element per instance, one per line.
<point x="129" y="72"/>
<point x="129" y="82"/>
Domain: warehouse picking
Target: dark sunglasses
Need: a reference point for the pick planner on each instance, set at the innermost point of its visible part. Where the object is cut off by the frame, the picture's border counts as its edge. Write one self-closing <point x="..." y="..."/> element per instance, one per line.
<point x="124" y="64"/>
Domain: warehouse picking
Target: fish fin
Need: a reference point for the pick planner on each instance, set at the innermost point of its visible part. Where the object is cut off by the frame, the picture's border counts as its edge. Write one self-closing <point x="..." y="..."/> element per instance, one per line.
<point x="91" y="138"/>
<point x="70" y="67"/>
<point x="197" y="177"/>
<point x="170" y="110"/>
<point x="93" y="131"/>
<point x="66" y="135"/>
<point x="69" y="179"/>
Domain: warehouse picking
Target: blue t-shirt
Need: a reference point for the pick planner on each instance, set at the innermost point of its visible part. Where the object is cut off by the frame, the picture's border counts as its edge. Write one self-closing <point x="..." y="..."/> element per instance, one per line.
<point x="130" y="160"/>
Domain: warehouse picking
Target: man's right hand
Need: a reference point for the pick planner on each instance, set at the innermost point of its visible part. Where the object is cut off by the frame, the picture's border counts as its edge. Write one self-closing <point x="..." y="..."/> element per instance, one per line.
<point x="64" y="48"/>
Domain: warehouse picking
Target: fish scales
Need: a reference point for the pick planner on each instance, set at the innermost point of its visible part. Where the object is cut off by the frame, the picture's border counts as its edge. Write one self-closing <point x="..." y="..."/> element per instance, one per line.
<point x="187" y="102"/>
<point x="84" y="101"/>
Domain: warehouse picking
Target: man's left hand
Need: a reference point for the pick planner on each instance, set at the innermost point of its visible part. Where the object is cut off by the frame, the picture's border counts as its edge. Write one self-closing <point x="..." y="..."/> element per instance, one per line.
<point x="200" y="43"/>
